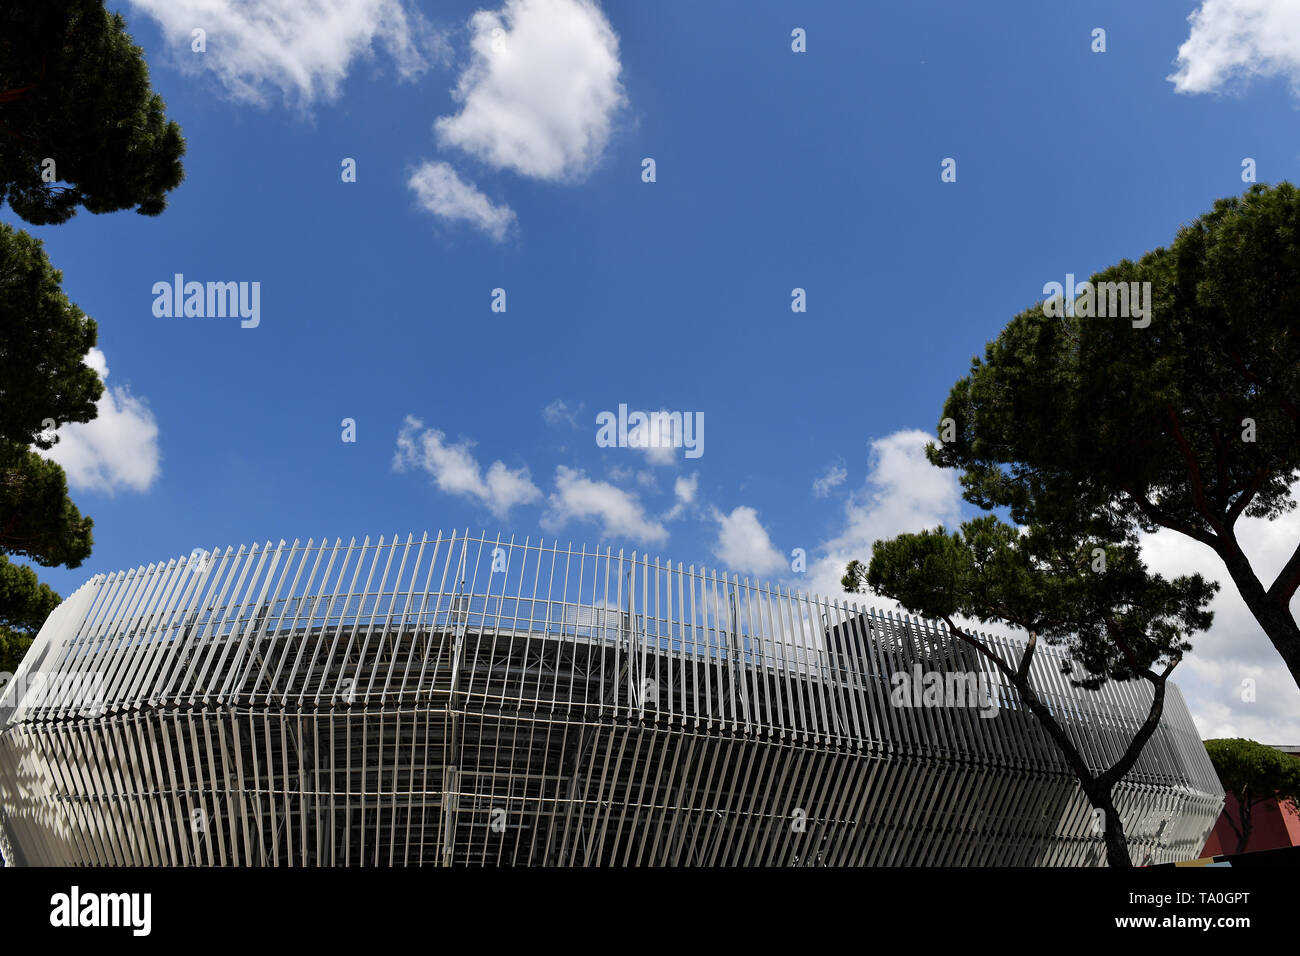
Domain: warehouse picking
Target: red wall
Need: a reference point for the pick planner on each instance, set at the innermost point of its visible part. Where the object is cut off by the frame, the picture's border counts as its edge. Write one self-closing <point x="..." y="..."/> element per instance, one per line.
<point x="1272" y="826"/>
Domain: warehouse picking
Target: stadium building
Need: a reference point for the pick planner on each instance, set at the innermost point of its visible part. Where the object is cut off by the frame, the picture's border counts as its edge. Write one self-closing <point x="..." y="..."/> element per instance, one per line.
<point x="462" y="700"/>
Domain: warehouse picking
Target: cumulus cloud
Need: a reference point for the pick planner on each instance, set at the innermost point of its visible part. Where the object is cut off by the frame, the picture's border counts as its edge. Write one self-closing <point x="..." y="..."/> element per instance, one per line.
<point x="744" y="545"/>
<point x="835" y="476"/>
<point x="559" y="412"/>
<point x="659" y="436"/>
<point x="442" y="192"/>
<point x="117" y="449"/>
<point x="1235" y="649"/>
<point x="541" y="89"/>
<point x="1237" y="40"/>
<point x="299" y="48"/>
<point x="456" y="471"/>
<point x="685" y="490"/>
<point x="902" y="493"/>
<point x="619" y="513"/>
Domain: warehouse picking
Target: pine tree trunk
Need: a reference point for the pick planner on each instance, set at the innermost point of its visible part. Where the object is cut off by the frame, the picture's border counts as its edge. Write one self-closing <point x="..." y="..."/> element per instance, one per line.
<point x="1244" y="837"/>
<point x="1278" y="624"/>
<point x="1117" y="855"/>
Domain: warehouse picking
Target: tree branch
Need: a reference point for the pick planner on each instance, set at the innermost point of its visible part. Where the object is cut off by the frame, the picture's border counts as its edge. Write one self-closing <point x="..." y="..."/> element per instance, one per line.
<point x="1194" y="470"/>
<point x="1284" y="585"/>
<point x="1023" y="670"/>
<point x="17" y="93"/>
<point x="1045" y="717"/>
<point x="1117" y="770"/>
<point x="1161" y="518"/>
<point x="1248" y="495"/>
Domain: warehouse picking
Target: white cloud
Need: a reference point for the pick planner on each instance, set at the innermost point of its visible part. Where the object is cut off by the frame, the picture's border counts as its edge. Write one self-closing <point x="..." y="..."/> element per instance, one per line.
<point x="559" y="411"/>
<point x="541" y="90"/>
<point x="1239" y="40"/>
<point x="442" y="192"/>
<point x="834" y="477"/>
<point x="659" y="436"/>
<point x="684" y="492"/>
<point x="1235" y="648"/>
<point x="903" y="493"/>
<point x="455" y="470"/>
<point x="743" y="543"/>
<point x="619" y="513"/>
<point x="686" y="488"/>
<point x="300" y="48"/>
<point x="98" y="361"/>
<point x="117" y="449"/>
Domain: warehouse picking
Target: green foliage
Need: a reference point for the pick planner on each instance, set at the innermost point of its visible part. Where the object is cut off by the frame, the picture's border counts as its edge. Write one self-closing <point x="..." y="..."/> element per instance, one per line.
<point x="1254" y="772"/>
<point x="12" y="648"/>
<point x="25" y="603"/>
<point x="80" y="127"/>
<point x="74" y="88"/>
<point x="1095" y="423"/>
<point x="36" y="517"/>
<point x="1115" y="618"/>
<point x="1056" y="400"/>
<point x="44" y="339"/>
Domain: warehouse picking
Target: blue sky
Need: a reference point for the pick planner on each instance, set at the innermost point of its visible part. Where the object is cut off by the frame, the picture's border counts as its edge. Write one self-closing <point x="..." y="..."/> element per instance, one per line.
<point x="775" y="170"/>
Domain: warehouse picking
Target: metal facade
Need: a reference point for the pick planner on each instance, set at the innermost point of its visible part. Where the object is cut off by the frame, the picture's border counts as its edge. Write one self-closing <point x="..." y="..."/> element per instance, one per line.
<point x="467" y="700"/>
